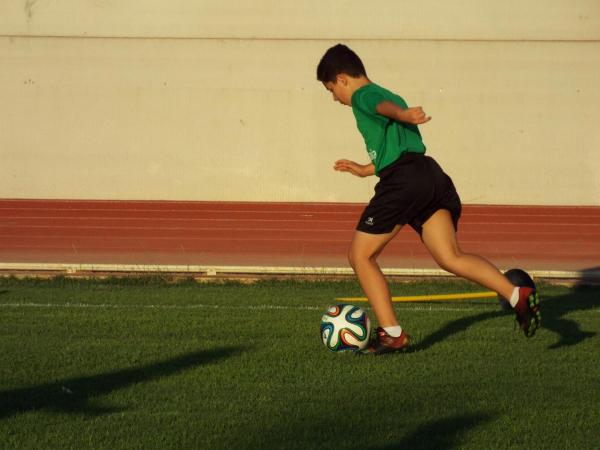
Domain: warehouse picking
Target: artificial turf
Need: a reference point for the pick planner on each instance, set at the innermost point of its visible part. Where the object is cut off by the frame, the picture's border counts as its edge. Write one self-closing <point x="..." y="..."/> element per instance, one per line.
<point x="147" y="363"/>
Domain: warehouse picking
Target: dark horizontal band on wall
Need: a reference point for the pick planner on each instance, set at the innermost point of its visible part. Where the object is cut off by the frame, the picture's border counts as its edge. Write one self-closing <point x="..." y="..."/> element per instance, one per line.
<point x="560" y="238"/>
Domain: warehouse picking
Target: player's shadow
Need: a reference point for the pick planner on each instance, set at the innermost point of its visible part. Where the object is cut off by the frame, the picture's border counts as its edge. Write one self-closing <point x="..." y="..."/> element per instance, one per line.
<point x="451" y="328"/>
<point x="441" y="434"/>
<point x="73" y="395"/>
<point x="583" y="296"/>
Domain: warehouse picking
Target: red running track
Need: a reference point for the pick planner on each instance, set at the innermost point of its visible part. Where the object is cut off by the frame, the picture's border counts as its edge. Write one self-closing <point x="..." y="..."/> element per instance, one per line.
<point x="279" y="234"/>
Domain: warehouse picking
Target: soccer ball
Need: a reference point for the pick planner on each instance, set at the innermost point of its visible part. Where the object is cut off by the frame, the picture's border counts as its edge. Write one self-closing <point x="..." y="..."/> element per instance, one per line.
<point x="345" y="327"/>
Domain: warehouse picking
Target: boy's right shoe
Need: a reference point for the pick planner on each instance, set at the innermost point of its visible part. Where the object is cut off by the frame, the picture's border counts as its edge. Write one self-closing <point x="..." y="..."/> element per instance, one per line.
<point x="527" y="311"/>
<point x="384" y="343"/>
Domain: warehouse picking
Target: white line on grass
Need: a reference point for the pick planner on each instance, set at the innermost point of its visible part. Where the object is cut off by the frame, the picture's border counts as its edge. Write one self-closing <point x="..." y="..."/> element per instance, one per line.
<point x="204" y="306"/>
<point x="117" y="306"/>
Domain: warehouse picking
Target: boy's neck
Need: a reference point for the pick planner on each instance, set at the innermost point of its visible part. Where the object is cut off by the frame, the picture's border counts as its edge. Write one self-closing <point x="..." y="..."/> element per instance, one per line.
<point x="358" y="82"/>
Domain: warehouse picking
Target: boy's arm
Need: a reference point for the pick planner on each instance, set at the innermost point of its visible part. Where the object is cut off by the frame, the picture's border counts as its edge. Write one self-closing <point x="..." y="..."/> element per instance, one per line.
<point x="360" y="170"/>
<point x="415" y="115"/>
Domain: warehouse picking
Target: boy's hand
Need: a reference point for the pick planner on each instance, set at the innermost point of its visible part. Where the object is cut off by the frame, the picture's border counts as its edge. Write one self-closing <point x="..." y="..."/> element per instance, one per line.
<point x="414" y="115"/>
<point x="417" y="116"/>
<point x="359" y="170"/>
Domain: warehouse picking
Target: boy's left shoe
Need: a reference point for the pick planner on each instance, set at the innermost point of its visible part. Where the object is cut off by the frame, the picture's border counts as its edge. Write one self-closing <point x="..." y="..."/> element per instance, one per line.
<point x="384" y="343"/>
<point x="527" y="311"/>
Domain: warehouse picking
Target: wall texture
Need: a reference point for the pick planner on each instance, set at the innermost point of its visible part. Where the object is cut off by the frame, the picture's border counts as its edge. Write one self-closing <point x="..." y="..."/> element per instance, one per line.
<point x="214" y="100"/>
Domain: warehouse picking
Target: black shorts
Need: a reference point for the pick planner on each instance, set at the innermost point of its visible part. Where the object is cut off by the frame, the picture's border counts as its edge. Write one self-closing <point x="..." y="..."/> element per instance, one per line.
<point x="409" y="191"/>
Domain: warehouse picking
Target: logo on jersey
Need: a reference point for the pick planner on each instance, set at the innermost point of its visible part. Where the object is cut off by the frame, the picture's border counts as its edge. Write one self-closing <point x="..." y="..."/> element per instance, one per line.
<point x="372" y="154"/>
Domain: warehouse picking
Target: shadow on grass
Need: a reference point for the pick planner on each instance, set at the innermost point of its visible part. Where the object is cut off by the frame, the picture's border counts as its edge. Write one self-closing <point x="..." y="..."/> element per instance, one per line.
<point x="583" y="297"/>
<point x="72" y="395"/>
<point x="440" y="434"/>
<point x="452" y="328"/>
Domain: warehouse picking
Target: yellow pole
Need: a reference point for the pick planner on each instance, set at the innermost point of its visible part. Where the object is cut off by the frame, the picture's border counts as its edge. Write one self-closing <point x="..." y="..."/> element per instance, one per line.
<point x="428" y="298"/>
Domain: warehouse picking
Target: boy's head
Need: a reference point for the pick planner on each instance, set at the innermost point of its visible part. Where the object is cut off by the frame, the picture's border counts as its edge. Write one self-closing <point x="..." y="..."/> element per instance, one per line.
<point x="338" y="70"/>
<point x="339" y="59"/>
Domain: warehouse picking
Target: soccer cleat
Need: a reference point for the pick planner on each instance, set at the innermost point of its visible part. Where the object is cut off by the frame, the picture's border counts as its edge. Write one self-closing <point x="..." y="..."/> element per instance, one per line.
<point x="384" y="343"/>
<point x="527" y="311"/>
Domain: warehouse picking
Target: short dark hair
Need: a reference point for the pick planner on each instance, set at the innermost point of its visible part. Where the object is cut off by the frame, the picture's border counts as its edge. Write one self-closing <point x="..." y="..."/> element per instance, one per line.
<point x="339" y="59"/>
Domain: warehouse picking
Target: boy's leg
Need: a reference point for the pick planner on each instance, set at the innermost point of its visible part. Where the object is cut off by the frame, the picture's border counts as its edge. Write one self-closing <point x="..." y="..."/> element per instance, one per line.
<point x="363" y="253"/>
<point x="439" y="237"/>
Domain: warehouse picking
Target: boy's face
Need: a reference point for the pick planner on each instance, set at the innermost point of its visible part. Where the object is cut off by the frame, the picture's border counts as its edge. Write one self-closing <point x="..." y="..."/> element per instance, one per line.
<point x="340" y="89"/>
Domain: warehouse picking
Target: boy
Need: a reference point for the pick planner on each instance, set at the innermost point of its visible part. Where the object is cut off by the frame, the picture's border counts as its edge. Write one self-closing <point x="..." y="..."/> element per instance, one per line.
<point x="412" y="190"/>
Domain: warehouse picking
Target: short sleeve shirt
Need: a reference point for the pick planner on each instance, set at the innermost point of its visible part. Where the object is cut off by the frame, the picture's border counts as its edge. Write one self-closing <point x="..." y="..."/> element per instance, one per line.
<point x="386" y="139"/>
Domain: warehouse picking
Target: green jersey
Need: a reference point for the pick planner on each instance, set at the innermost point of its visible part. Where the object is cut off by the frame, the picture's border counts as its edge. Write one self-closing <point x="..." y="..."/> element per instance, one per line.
<point x="386" y="139"/>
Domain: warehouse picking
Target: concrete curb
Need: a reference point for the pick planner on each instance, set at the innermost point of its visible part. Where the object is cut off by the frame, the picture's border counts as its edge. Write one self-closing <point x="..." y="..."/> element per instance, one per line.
<point x="209" y="270"/>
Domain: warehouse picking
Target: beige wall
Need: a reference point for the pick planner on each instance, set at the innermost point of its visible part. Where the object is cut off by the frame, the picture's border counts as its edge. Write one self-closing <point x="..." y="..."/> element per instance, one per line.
<point x="213" y="100"/>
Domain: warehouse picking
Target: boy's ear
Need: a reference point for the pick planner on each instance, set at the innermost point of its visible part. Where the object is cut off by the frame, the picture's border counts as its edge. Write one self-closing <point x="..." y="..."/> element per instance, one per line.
<point x="341" y="78"/>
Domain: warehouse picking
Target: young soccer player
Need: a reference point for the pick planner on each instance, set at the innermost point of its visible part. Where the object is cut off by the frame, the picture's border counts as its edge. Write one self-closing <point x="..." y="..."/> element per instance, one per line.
<point x="413" y="190"/>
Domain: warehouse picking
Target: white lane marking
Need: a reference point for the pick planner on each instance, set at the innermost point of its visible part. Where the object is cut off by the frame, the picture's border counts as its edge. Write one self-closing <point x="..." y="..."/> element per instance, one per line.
<point x="205" y="306"/>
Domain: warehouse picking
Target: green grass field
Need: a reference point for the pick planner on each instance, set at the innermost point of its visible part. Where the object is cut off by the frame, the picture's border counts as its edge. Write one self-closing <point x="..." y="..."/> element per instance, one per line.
<point x="148" y="364"/>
